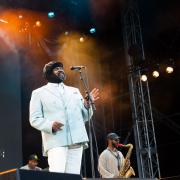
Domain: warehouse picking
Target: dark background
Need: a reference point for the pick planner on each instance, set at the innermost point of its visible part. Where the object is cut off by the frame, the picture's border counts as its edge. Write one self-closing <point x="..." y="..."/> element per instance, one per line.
<point x="107" y="68"/>
<point x="10" y="109"/>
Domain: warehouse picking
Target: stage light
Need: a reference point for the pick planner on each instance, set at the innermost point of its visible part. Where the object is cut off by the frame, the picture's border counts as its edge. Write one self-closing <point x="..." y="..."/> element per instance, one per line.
<point x="38" y="23"/>
<point x="169" y="69"/>
<point x="51" y="14"/>
<point x="170" y="66"/>
<point x="144" y="77"/>
<point x="143" y="70"/>
<point x="66" y="33"/>
<point x="81" y="39"/>
<point x="155" y="74"/>
<point x="20" y="16"/>
<point x="155" y="70"/>
<point x="92" y="30"/>
<point x="3" y="21"/>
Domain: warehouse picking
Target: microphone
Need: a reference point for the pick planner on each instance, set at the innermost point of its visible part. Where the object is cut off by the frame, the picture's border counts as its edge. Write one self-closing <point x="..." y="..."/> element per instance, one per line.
<point x="76" y="68"/>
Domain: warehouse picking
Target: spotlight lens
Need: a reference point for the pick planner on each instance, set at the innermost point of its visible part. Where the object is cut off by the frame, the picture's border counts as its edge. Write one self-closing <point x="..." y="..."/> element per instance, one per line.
<point x="92" y="30"/>
<point x="38" y="23"/>
<point x="51" y="14"/>
<point x="81" y="39"/>
<point x="20" y="16"/>
<point x="144" y="78"/>
<point x="155" y="74"/>
<point x="169" y="70"/>
<point x="66" y="33"/>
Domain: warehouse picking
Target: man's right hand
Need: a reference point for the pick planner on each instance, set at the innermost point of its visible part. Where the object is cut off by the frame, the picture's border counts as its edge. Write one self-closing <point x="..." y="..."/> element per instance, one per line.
<point x="56" y="126"/>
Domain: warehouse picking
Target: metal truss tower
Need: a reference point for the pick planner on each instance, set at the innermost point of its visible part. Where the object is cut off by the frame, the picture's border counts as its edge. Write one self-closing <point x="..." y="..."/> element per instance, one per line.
<point x="143" y="125"/>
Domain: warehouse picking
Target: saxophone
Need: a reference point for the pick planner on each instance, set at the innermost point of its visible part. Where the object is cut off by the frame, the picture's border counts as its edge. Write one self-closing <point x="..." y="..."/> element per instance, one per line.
<point x="125" y="171"/>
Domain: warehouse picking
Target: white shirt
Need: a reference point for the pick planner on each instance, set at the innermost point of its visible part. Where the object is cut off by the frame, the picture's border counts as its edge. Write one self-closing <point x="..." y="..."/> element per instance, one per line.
<point x="108" y="163"/>
<point x="59" y="87"/>
<point x="26" y="167"/>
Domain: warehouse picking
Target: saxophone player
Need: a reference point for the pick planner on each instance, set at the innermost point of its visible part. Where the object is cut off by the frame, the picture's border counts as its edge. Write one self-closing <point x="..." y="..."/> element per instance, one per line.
<point x="111" y="160"/>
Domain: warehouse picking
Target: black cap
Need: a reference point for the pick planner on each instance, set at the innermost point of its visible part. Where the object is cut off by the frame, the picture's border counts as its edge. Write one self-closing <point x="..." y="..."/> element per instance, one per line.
<point x="112" y="136"/>
<point x="33" y="157"/>
<point x="47" y="70"/>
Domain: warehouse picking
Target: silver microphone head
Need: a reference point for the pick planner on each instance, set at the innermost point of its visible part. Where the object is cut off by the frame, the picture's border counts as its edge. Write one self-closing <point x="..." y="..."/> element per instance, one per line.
<point x="76" y="68"/>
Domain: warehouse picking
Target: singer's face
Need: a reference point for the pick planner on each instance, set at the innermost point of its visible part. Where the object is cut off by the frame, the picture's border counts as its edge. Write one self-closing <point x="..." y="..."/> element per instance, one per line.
<point x="59" y="72"/>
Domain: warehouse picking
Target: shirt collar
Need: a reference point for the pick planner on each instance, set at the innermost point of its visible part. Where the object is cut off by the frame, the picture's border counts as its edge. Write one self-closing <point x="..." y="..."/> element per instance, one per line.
<point x="114" y="150"/>
<point x="55" y="84"/>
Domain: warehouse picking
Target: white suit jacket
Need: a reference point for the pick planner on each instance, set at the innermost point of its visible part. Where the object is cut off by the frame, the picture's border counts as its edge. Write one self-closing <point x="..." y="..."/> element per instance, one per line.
<point x="48" y="105"/>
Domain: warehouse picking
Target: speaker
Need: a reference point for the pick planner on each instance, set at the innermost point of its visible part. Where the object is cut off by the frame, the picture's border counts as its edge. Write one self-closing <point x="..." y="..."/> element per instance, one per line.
<point x="21" y="174"/>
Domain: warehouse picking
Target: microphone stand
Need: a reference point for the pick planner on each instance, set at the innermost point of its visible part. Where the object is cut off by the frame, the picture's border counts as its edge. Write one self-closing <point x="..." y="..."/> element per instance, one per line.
<point x="91" y="102"/>
<point x="86" y="87"/>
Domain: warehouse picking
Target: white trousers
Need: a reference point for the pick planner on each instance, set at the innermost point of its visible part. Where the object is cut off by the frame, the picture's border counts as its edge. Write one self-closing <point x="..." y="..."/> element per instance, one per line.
<point x="65" y="159"/>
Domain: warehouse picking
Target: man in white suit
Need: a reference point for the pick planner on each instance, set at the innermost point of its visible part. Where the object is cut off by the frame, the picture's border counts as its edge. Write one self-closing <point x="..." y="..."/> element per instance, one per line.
<point x="59" y="112"/>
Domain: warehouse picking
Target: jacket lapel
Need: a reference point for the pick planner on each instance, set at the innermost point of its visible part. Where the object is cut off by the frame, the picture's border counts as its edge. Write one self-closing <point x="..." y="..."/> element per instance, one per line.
<point x="52" y="90"/>
<point x="66" y="97"/>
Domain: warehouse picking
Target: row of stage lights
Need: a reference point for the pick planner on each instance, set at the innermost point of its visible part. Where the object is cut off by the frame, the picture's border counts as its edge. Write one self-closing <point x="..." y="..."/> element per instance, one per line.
<point x="38" y="24"/>
<point x="169" y="69"/>
<point x="52" y="14"/>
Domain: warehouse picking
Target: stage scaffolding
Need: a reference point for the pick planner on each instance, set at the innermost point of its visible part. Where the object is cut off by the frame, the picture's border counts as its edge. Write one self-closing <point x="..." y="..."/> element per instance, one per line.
<point x="143" y="125"/>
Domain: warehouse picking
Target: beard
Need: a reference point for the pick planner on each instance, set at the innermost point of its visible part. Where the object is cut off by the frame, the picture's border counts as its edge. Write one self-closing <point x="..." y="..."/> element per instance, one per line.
<point x="56" y="78"/>
<point x="115" y="145"/>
